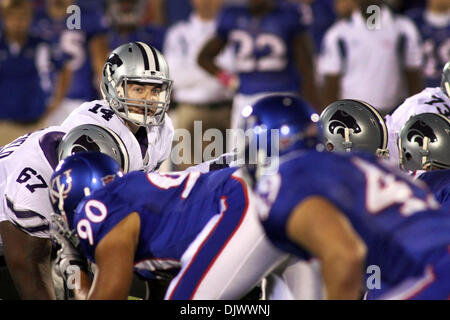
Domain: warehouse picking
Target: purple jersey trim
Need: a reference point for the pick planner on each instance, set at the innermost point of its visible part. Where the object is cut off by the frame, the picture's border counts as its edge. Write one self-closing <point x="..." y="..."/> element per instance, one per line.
<point x="141" y="137"/>
<point x="48" y="143"/>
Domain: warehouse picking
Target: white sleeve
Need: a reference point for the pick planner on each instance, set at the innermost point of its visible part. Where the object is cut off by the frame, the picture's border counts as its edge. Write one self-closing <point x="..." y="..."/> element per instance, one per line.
<point x="223" y="161"/>
<point x="330" y="61"/>
<point x="166" y="139"/>
<point x="27" y="203"/>
<point x="159" y="145"/>
<point x="413" y="49"/>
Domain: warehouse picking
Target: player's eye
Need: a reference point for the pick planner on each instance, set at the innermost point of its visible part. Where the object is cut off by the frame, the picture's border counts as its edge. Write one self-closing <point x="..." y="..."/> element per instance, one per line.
<point x="138" y="89"/>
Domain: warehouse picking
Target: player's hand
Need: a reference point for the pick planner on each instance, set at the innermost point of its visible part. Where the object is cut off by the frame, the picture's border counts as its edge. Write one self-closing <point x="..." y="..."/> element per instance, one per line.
<point x="68" y="256"/>
<point x="229" y="80"/>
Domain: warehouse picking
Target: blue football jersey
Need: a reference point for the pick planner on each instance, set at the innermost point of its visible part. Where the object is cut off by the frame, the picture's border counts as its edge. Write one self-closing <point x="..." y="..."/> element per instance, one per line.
<point x="152" y="35"/>
<point x="396" y="218"/>
<point x="263" y="49"/>
<point x="439" y="183"/>
<point x="173" y="209"/>
<point x="317" y="17"/>
<point x="22" y="80"/>
<point x="72" y="46"/>
<point x="436" y="47"/>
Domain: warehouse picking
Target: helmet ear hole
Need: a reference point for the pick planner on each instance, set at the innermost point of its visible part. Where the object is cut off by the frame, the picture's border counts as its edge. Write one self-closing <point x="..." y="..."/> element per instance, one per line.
<point x="330" y="147"/>
<point x="408" y="156"/>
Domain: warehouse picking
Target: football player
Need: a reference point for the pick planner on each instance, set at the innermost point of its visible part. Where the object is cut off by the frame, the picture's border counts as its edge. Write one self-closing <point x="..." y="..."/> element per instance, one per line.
<point x="433" y="23"/>
<point x="83" y="49"/>
<point x="202" y="226"/>
<point x="348" y="211"/>
<point x="436" y="100"/>
<point x="272" y="48"/>
<point x="26" y="165"/>
<point x="136" y="89"/>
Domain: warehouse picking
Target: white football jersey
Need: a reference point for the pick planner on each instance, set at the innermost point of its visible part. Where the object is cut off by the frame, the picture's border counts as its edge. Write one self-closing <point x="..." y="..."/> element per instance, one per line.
<point x="429" y="100"/>
<point x="26" y="166"/>
<point x="156" y="145"/>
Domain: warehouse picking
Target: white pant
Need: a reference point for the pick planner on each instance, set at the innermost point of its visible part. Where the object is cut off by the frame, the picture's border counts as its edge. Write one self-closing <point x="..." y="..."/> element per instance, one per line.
<point x="295" y="280"/>
<point x="241" y="263"/>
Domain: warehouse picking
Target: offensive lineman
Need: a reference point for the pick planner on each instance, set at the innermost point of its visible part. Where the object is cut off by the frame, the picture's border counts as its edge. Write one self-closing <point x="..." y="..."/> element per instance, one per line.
<point x="436" y="100"/>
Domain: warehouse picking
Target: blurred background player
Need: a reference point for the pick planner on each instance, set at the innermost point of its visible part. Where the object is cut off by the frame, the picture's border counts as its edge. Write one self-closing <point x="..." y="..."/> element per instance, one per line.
<point x="433" y="23"/>
<point x="126" y="19"/>
<point x="380" y="66"/>
<point x="198" y="95"/>
<point x="318" y="16"/>
<point x="24" y="65"/>
<point x="433" y="99"/>
<point x="273" y="53"/>
<point x="86" y="49"/>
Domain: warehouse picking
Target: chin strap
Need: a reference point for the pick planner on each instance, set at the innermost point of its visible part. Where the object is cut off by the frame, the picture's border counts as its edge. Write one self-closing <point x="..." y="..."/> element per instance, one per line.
<point x="382" y="153"/>
<point x="424" y="152"/>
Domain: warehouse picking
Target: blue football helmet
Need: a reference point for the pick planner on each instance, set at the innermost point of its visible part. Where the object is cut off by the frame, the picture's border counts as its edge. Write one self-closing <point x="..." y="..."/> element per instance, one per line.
<point x="275" y="126"/>
<point x="76" y="177"/>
